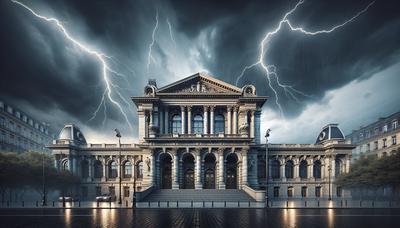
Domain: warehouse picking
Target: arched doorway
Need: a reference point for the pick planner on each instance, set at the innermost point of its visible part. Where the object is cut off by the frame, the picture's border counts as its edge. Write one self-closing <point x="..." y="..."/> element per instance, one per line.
<point x="209" y="171"/>
<point x="188" y="171"/>
<point x="231" y="171"/>
<point x="165" y="171"/>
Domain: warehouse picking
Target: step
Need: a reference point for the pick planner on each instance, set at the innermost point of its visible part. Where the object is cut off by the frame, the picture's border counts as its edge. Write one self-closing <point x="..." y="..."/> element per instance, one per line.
<point x="229" y="195"/>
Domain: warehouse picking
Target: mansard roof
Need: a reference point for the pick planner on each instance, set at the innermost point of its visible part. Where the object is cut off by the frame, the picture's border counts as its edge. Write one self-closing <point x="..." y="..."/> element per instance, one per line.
<point x="199" y="83"/>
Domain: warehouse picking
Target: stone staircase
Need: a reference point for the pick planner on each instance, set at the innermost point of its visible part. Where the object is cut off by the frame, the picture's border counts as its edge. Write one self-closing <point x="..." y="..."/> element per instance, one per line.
<point x="186" y="195"/>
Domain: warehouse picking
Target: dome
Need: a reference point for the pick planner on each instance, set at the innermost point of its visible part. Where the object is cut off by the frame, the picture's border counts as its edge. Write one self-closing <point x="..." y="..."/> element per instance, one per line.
<point x="72" y="133"/>
<point x="330" y="132"/>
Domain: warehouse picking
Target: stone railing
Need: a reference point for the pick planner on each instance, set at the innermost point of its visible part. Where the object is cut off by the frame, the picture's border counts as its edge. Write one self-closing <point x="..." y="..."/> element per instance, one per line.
<point x="257" y="195"/>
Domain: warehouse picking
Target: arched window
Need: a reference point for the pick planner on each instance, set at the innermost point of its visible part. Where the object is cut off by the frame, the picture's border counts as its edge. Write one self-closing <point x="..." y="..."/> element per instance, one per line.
<point x="127" y="169"/>
<point x="338" y="167"/>
<point x="98" y="169"/>
<point x="176" y="124"/>
<point x="112" y="170"/>
<point x="303" y="169"/>
<point x="198" y="124"/>
<point x="317" y="169"/>
<point x="219" y="124"/>
<point x="65" y="165"/>
<point x="275" y="169"/>
<point x="139" y="170"/>
<point x="84" y="169"/>
<point x="289" y="169"/>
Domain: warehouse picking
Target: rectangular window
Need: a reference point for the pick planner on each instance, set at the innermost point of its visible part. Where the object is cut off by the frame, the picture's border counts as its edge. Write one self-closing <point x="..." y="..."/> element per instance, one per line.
<point x="126" y="191"/>
<point x="276" y="192"/>
<point x="394" y="124"/>
<point x="98" y="190"/>
<point x="318" y="191"/>
<point x="111" y="190"/>
<point x="394" y="140"/>
<point x="384" y="128"/>
<point x="384" y="143"/>
<point x="304" y="192"/>
<point x="339" y="191"/>
<point x="376" y="145"/>
<point x="290" y="191"/>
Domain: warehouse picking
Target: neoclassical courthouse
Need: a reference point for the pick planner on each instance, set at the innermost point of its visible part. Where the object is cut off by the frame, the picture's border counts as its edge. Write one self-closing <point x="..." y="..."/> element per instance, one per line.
<point x="203" y="133"/>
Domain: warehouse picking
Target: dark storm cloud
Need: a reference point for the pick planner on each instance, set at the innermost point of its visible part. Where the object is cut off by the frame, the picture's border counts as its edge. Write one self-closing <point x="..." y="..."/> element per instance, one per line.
<point x="42" y="69"/>
<point x="312" y="64"/>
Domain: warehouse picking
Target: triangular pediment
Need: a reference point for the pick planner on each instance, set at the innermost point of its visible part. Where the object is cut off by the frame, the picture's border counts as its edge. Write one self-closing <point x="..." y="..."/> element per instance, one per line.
<point x="200" y="83"/>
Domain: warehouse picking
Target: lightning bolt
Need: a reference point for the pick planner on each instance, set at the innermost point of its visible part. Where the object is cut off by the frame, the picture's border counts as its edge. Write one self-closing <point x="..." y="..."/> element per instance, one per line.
<point x="153" y="40"/>
<point x="170" y="32"/>
<point x="101" y="57"/>
<point x="270" y="70"/>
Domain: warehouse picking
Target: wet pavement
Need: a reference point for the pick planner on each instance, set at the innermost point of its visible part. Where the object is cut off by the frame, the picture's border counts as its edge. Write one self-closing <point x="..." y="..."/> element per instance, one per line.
<point x="199" y="218"/>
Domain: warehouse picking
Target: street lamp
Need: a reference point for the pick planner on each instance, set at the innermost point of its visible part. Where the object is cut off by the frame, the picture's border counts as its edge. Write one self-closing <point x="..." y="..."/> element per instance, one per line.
<point x="118" y="135"/>
<point x="44" y="203"/>
<point x="329" y="180"/>
<point x="266" y="166"/>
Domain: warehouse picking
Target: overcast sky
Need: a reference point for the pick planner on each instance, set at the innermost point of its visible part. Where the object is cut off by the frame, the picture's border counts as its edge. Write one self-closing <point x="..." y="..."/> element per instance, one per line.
<point x="350" y="76"/>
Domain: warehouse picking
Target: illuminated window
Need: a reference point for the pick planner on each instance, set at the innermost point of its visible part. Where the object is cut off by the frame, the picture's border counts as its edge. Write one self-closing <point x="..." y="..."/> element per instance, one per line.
<point x="112" y="170"/>
<point x="318" y="191"/>
<point x="127" y="169"/>
<point x="176" y="125"/>
<point x="290" y="191"/>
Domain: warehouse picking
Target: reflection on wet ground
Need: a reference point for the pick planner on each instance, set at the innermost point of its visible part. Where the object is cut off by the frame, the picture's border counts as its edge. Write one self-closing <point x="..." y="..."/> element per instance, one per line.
<point x="199" y="218"/>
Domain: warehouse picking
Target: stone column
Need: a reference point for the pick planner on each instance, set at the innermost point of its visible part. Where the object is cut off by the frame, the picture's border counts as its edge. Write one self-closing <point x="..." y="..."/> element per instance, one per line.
<point x="104" y="178"/>
<point x="183" y="119"/>
<point x="229" y="114"/>
<point x="205" y="120"/>
<point x="235" y="118"/>
<point x="310" y="169"/>
<point x="175" y="167"/>
<point x="212" y="119"/>
<point x="166" y="121"/>
<point x="90" y="168"/>
<point x="333" y="166"/>
<point x="189" y="112"/>
<point x="348" y="164"/>
<point x="252" y="124"/>
<point x="296" y="169"/>
<point x="244" y="167"/>
<point x="198" y="184"/>
<point x="221" y="171"/>
<point x="283" y="175"/>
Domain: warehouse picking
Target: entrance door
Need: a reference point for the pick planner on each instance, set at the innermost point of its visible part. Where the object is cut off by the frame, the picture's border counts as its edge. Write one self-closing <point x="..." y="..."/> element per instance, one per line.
<point x="231" y="178"/>
<point x="210" y="179"/>
<point x="189" y="179"/>
<point x="166" y="177"/>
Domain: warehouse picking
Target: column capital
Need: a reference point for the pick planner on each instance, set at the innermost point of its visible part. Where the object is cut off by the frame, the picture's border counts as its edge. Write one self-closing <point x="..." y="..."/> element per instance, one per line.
<point x="212" y="107"/>
<point x="236" y="108"/>
<point x="220" y="151"/>
<point x="229" y="108"/>
<point x="189" y="108"/>
<point x="182" y="108"/>
<point x="206" y="107"/>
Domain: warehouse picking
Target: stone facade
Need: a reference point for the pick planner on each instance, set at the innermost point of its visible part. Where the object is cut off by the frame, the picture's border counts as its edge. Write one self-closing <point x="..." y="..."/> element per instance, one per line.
<point x="378" y="138"/>
<point x="19" y="132"/>
<point x="202" y="133"/>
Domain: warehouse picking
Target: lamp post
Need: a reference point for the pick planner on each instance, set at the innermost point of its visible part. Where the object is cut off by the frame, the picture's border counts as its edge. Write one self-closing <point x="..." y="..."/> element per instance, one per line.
<point x="63" y="189"/>
<point x="329" y="180"/>
<point x="44" y="203"/>
<point x="266" y="166"/>
<point x="118" y="135"/>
